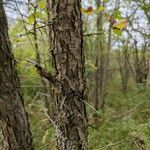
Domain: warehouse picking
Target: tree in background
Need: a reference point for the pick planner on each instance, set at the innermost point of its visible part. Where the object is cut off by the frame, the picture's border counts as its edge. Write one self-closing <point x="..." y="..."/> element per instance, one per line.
<point x="13" y="118"/>
<point x="123" y="57"/>
<point x="141" y="61"/>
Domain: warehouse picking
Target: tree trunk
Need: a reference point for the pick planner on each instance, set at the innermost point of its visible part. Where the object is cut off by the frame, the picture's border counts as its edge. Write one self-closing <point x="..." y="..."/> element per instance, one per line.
<point x="13" y="118"/>
<point x="68" y="59"/>
<point x="101" y="62"/>
<point x="141" y="64"/>
<point x="123" y="57"/>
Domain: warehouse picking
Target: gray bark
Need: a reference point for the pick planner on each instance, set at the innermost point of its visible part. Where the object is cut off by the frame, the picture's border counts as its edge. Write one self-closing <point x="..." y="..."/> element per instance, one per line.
<point x="68" y="59"/>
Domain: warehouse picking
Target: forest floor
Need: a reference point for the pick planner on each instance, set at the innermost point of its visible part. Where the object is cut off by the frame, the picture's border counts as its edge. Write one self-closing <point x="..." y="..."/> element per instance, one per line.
<point x="124" y="124"/>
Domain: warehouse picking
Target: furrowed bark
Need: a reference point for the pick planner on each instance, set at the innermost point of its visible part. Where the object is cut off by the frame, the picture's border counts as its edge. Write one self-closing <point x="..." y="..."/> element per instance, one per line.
<point x="68" y="60"/>
<point x="13" y="119"/>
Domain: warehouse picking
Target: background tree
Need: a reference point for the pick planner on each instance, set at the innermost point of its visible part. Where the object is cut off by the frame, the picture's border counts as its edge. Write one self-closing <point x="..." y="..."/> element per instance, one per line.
<point x="141" y="61"/>
<point x="123" y="57"/>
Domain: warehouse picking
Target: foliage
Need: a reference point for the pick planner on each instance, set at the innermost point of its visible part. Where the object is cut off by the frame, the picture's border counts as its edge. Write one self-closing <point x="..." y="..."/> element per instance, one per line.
<point x="125" y="117"/>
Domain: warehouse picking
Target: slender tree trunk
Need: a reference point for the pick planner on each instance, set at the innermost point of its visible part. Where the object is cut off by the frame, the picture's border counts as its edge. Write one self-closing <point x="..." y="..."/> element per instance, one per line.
<point x="141" y="64"/>
<point x="47" y="100"/>
<point x="96" y="79"/>
<point x="14" y="122"/>
<point x="100" y="63"/>
<point x="68" y="59"/>
<point x="123" y="57"/>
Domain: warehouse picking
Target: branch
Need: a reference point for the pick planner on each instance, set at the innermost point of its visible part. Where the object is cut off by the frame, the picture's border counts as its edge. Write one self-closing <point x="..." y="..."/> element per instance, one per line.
<point x="114" y="144"/>
<point x="42" y="71"/>
<point x="31" y="31"/>
<point x="94" y="127"/>
<point x="91" y="34"/>
<point x="91" y="107"/>
<point x="46" y="74"/>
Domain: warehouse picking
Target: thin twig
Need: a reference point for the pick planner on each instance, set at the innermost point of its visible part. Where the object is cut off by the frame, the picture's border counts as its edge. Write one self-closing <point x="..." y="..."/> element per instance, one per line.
<point x="114" y="144"/>
<point x="49" y="143"/>
<point x="91" y="34"/>
<point x="49" y="118"/>
<point x="91" y="107"/>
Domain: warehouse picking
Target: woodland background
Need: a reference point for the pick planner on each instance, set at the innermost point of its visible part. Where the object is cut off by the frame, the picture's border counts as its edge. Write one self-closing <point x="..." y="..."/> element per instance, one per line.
<point x="117" y="72"/>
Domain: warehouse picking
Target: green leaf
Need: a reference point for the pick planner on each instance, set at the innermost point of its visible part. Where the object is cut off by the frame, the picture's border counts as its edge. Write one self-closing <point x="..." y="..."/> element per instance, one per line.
<point x="146" y="7"/>
<point x="42" y="4"/>
<point x="117" y="32"/>
<point x="117" y="14"/>
<point x="41" y="15"/>
<point x="31" y="19"/>
<point x="38" y="14"/>
<point x="99" y="9"/>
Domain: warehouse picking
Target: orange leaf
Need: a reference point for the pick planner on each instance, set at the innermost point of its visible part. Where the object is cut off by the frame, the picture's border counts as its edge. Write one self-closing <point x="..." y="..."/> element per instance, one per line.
<point x="89" y="10"/>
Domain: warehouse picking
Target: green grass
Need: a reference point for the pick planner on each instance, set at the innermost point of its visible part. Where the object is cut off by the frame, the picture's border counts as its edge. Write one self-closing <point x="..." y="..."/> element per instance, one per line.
<point x="124" y="119"/>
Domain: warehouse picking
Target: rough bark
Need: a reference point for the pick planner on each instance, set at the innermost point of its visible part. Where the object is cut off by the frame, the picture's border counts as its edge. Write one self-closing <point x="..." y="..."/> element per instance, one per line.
<point x="68" y="59"/>
<point x="14" y="122"/>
